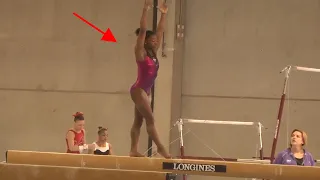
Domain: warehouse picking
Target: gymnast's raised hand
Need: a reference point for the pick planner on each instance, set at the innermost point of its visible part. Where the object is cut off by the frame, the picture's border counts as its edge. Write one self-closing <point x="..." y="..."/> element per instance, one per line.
<point x="148" y="4"/>
<point x="163" y="8"/>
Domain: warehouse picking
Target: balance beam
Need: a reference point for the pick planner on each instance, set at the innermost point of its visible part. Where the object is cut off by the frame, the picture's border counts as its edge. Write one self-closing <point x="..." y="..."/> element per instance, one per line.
<point x="41" y="172"/>
<point x="178" y="166"/>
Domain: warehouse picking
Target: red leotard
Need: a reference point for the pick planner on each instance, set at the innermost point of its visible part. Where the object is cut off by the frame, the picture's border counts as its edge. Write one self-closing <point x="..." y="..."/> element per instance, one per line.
<point x="78" y="140"/>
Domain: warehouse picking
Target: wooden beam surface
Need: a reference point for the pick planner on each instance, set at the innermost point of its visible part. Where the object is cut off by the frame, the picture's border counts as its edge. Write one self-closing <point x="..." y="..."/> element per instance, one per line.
<point x="41" y="172"/>
<point x="179" y="166"/>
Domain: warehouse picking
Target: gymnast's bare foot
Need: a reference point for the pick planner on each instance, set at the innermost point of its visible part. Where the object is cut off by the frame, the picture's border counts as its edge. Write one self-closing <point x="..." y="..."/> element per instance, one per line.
<point x="136" y="154"/>
<point x="163" y="152"/>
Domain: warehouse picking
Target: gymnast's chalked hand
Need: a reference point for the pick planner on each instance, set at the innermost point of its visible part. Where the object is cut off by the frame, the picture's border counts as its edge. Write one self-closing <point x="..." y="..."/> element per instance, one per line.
<point x="163" y="8"/>
<point x="148" y="4"/>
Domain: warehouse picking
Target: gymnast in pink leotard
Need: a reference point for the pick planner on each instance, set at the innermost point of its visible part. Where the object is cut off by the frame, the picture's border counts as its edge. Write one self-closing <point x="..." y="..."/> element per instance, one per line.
<point x="146" y="49"/>
<point x="147" y="72"/>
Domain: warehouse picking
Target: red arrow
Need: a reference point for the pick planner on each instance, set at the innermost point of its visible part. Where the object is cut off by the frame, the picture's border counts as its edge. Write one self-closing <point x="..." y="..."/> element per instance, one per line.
<point x="107" y="36"/>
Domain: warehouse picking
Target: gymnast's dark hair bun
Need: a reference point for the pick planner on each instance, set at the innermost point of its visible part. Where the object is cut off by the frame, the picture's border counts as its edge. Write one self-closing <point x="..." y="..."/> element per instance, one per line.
<point x="78" y="116"/>
<point x="101" y="129"/>
<point x="148" y="33"/>
<point x="137" y="31"/>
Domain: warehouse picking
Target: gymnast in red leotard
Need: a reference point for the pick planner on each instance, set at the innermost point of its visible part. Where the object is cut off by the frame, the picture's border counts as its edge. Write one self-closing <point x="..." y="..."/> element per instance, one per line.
<point x="146" y="49"/>
<point x="75" y="137"/>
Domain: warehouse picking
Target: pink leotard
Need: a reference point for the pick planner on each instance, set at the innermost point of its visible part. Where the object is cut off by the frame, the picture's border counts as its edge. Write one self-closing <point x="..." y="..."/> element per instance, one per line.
<point x="147" y="73"/>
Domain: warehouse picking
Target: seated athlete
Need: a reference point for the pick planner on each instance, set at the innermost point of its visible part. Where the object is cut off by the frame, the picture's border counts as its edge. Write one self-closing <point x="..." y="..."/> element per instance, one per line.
<point x="102" y="147"/>
<point x="75" y="137"/>
<point x="296" y="154"/>
<point x="146" y="48"/>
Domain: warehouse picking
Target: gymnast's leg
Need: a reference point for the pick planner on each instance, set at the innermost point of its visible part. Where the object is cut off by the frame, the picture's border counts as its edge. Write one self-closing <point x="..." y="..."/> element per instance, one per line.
<point x="141" y="101"/>
<point x="135" y="133"/>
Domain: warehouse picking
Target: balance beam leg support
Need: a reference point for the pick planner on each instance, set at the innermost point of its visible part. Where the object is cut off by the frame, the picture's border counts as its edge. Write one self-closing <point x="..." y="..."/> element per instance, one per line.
<point x="40" y="172"/>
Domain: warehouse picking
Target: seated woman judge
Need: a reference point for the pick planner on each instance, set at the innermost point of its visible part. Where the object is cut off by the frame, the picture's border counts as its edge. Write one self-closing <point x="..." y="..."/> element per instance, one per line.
<point x="102" y="147"/>
<point x="296" y="154"/>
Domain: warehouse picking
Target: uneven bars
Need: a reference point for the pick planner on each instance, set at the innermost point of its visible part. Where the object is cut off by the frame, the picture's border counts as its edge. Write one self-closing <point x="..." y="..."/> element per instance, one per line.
<point x="299" y="68"/>
<point x="260" y="140"/>
<point x="180" y="122"/>
<point x="218" y="122"/>
<point x="226" y="159"/>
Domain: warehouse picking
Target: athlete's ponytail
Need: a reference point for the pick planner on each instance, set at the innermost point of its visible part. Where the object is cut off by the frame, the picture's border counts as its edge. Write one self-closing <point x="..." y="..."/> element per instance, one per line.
<point x="137" y="31"/>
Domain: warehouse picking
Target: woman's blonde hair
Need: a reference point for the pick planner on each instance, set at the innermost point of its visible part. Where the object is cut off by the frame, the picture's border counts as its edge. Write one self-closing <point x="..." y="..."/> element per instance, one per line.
<point x="304" y="136"/>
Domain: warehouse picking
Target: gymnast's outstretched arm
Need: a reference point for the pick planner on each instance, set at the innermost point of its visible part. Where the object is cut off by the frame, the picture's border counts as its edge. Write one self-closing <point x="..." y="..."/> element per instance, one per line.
<point x="139" y="48"/>
<point x="161" y="25"/>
